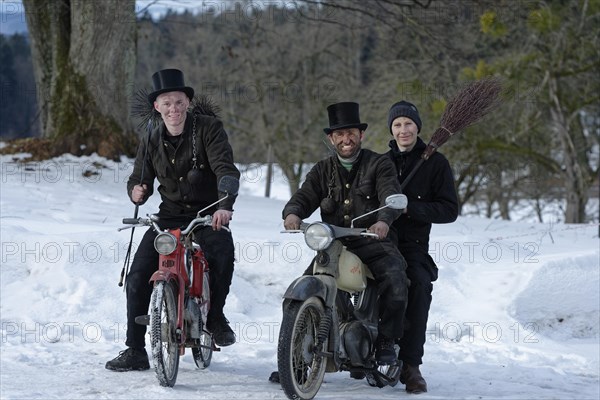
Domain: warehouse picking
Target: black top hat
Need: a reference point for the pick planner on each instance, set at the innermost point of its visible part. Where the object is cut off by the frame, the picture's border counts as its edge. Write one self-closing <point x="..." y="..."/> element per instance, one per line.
<point x="344" y="115"/>
<point x="169" y="80"/>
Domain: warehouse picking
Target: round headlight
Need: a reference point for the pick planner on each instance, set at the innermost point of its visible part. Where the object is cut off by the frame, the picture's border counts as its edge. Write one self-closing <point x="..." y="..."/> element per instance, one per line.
<point x="165" y="243"/>
<point x="318" y="236"/>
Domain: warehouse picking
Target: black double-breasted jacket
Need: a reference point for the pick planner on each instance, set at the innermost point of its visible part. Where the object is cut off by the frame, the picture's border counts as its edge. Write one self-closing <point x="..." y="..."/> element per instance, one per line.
<point x="170" y="164"/>
<point x="353" y="193"/>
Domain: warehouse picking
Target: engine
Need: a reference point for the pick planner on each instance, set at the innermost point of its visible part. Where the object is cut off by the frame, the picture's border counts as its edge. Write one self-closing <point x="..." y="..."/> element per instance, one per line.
<point x="192" y="319"/>
<point x="356" y="342"/>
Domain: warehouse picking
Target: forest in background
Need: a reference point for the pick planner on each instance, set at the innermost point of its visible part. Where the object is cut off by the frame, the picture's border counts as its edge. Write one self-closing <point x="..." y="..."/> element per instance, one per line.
<point x="274" y="67"/>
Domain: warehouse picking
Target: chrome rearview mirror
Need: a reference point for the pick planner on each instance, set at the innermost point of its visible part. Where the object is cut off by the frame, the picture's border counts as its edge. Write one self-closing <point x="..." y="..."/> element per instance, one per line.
<point x="229" y="184"/>
<point x="396" y="201"/>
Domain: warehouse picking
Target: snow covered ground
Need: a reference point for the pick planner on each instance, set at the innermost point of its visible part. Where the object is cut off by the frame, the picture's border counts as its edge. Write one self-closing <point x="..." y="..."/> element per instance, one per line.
<point x="515" y="314"/>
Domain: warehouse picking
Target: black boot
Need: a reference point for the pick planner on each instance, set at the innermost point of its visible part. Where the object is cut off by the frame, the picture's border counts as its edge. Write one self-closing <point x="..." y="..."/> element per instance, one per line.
<point x="274" y="377"/>
<point x="412" y="378"/>
<point x="357" y="375"/>
<point x="221" y="331"/>
<point x="384" y="351"/>
<point x="129" y="360"/>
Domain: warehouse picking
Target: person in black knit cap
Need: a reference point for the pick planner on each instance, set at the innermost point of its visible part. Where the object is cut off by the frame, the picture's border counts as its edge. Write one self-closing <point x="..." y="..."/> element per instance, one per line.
<point x="431" y="199"/>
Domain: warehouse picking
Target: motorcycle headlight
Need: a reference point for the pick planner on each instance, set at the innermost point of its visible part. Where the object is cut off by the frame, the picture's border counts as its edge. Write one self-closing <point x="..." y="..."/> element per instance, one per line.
<point x="318" y="236"/>
<point x="165" y="243"/>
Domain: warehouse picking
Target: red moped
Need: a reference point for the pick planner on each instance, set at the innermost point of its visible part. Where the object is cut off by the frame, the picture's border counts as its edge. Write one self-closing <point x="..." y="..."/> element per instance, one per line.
<point x="180" y="299"/>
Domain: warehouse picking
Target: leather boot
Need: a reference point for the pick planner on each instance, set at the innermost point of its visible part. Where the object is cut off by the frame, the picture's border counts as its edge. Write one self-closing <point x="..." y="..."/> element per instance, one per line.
<point x="385" y="353"/>
<point x="130" y="360"/>
<point x="412" y="378"/>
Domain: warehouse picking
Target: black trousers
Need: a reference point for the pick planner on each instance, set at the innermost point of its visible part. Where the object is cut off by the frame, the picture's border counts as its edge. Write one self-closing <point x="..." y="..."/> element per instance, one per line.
<point x="388" y="268"/>
<point x="219" y="252"/>
<point x="421" y="272"/>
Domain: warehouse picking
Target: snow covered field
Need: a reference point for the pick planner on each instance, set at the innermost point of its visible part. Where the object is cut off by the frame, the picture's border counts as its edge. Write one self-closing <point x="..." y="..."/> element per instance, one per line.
<point x="515" y="315"/>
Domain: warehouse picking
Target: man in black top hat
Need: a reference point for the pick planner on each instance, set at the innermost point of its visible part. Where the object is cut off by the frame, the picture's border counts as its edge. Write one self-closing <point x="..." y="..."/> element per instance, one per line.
<point x="346" y="185"/>
<point x="188" y="153"/>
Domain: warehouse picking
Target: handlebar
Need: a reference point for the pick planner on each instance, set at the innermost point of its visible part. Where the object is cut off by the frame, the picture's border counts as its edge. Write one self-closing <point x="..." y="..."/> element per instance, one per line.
<point x="200" y="221"/>
<point x="337" y="230"/>
<point x="152" y="221"/>
<point x="365" y="234"/>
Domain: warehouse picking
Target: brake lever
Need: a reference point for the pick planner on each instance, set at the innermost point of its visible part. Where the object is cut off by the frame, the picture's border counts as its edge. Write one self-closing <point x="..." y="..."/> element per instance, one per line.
<point x="370" y="234"/>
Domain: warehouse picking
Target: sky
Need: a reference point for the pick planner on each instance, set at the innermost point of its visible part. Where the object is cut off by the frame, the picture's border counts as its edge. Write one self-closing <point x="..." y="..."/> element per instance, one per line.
<point x="12" y="12"/>
<point x="515" y="313"/>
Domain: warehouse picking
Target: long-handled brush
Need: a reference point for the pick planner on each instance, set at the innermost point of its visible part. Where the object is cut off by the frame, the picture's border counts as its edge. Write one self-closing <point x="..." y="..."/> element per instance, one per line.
<point x="468" y="106"/>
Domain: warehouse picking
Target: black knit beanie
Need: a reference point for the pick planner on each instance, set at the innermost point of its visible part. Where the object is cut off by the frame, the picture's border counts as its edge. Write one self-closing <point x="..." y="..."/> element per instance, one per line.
<point x="404" y="109"/>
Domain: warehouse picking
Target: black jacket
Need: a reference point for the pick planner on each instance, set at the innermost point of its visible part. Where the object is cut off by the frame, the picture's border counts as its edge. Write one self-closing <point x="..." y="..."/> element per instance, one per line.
<point x="431" y="196"/>
<point x="182" y="199"/>
<point x="354" y="192"/>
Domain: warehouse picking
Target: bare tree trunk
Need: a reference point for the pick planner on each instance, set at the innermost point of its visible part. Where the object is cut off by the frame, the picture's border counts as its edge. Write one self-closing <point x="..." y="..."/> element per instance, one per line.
<point x="84" y="60"/>
<point x="269" y="170"/>
<point x="576" y="191"/>
<point x="294" y="174"/>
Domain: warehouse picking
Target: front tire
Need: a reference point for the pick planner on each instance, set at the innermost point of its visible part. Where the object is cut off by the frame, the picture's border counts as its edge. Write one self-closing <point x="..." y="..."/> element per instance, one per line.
<point x="301" y="369"/>
<point x="163" y="335"/>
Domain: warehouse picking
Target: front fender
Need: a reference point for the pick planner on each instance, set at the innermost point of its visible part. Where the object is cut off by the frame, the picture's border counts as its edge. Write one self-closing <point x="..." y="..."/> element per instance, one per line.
<point x="162" y="275"/>
<point x="308" y="286"/>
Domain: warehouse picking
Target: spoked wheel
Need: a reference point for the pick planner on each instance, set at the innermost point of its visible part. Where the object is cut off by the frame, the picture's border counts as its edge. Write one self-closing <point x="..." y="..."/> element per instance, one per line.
<point x="203" y="354"/>
<point x="391" y="373"/>
<point x="163" y="336"/>
<point x="301" y="370"/>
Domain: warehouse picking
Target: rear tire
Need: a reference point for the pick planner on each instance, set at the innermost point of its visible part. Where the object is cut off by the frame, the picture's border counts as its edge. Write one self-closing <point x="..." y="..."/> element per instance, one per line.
<point x="301" y="370"/>
<point x="203" y="355"/>
<point x="391" y="372"/>
<point x="163" y="335"/>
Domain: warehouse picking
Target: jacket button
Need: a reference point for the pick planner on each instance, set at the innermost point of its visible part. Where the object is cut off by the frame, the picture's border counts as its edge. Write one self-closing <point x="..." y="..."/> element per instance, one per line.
<point x="181" y="179"/>
<point x="418" y="197"/>
<point x="185" y="197"/>
<point x="346" y="217"/>
<point x="188" y="206"/>
<point x="347" y="186"/>
<point x="346" y="201"/>
<point x="173" y="161"/>
<point x="201" y="166"/>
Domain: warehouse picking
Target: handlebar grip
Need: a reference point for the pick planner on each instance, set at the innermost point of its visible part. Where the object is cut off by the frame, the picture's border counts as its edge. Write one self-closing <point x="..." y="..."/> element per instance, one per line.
<point x="130" y="221"/>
